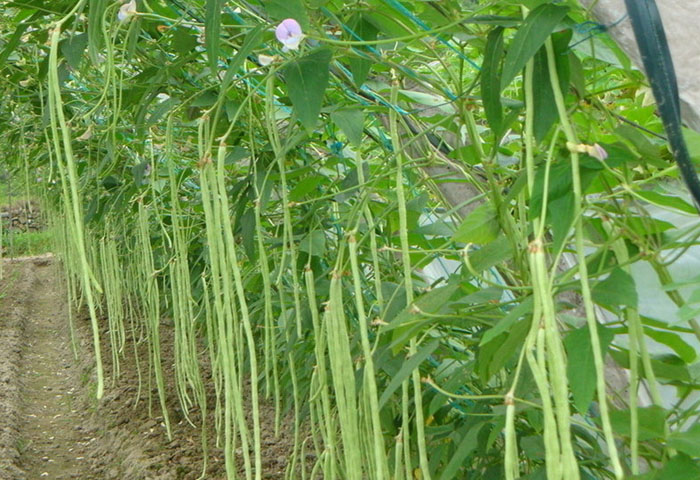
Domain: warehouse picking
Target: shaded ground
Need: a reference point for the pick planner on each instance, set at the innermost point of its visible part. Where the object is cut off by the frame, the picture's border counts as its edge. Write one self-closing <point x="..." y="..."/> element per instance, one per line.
<point x="50" y="424"/>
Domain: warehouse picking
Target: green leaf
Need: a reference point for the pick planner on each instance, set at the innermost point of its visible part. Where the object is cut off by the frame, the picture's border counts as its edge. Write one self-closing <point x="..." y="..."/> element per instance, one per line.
<point x="504" y="325"/>
<point x="545" y="109"/>
<point x="13" y="42"/>
<point x="306" y="80"/>
<point x="533" y="447"/>
<point x="247" y="223"/>
<point x="680" y="467"/>
<point x="560" y="214"/>
<point x="491" y="254"/>
<point x="673" y="341"/>
<point x="411" y="319"/>
<point x="94" y="29"/>
<point x="538" y="25"/>
<point x="469" y="443"/>
<point x="686" y="442"/>
<point x="651" y="422"/>
<point x="410" y="364"/>
<point x="212" y="32"/>
<point x="641" y="144"/>
<point x="481" y="226"/>
<point x="581" y="367"/>
<point x="667" y="201"/>
<point x="491" y="81"/>
<point x="183" y="41"/>
<point x="359" y="65"/>
<point x="351" y="122"/>
<point x="281" y="9"/>
<point x="161" y="109"/>
<point x="314" y="243"/>
<point x="72" y="48"/>
<point x="304" y="187"/>
<point x="494" y="355"/>
<point x="618" y="289"/>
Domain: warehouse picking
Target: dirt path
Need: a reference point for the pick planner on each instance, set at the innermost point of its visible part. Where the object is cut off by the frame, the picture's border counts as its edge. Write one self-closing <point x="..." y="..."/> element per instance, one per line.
<point x="54" y="439"/>
<point x="49" y="440"/>
<point x="51" y="426"/>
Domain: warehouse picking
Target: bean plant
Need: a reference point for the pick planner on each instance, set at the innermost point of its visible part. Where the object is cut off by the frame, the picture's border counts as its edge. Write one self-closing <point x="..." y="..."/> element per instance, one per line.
<point x="410" y="227"/>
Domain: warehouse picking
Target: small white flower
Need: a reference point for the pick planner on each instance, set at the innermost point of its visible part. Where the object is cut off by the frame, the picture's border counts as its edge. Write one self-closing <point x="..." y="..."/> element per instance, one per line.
<point x="86" y="134"/>
<point x="126" y="10"/>
<point x="289" y="33"/>
<point x="266" y="60"/>
<point x="596" y="151"/>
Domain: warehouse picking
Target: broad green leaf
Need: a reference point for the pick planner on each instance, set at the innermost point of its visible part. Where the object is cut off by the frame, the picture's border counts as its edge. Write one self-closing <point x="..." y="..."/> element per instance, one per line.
<point x="536" y="28"/>
<point x="304" y="187"/>
<point x="692" y="139"/>
<point x="491" y="254"/>
<point x="669" y="367"/>
<point x="306" y="80"/>
<point x="481" y="226"/>
<point x="360" y="64"/>
<point x="640" y="143"/>
<point x="494" y="355"/>
<point x="491" y="81"/>
<point x="469" y="443"/>
<point x="687" y="442"/>
<point x="430" y="302"/>
<point x="161" y="109"/>
<point x="13" y="42"/>
<point x="247" y="223"/>
<point x="212" y="32"/>
<point x="281" y="9"/>
<point x="673" y="341"/>
<point x="560" y="181"/>
<point x="72" y="48"/>
<point x="651" y="422"/>
<point x="618" y="289"/>
<point x="94" y="29"/>
<point x="680" y="467"/>
<point x="580" y="367"/>
<point x="503" y="325"/>
<point x="411" y="320"/>
<point x="351" y="122"/>
<point x="545" y="109"/>
<point x="236" y="154"/>
<point x="560" y="214"/>
<point x="688" y="312"/>
<point x="667" y="201"/>
<point x="533" y="447"/>
<point x="410" y="364"/>
<point x="183" y="40"/>
<point x="314" y="243"/>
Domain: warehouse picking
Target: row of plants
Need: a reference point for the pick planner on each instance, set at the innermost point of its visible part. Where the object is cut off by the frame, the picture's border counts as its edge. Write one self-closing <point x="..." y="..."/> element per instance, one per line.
<point x="411" y="224"/>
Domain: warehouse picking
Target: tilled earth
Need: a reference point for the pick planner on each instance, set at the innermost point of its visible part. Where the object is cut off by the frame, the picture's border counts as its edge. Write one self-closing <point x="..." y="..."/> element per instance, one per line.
<point x="51" y="426"/>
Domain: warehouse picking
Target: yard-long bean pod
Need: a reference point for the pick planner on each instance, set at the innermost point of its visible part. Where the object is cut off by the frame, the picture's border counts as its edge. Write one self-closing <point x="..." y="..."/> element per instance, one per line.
<point x="408" y="282"/>
<point x="73" y="202"/>
<point x="582" y="267"/>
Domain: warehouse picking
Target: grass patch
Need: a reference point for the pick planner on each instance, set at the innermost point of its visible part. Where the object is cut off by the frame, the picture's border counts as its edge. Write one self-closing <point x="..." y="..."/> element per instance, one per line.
<point x="18" y="244"/>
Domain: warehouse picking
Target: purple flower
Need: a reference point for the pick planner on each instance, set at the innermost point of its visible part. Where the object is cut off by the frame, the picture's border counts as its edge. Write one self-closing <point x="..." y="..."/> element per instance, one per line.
<point x="289" y="33"/>
<point x="598" y="152"/>
<point x="126" y="10"/>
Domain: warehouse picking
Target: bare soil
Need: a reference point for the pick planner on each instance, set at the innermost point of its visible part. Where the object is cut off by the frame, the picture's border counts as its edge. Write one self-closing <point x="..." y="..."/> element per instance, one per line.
<point x="51" y="426"/>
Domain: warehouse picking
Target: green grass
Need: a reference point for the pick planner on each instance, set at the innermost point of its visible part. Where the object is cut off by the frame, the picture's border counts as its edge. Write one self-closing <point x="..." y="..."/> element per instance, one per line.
<point x="18" y="244"/>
